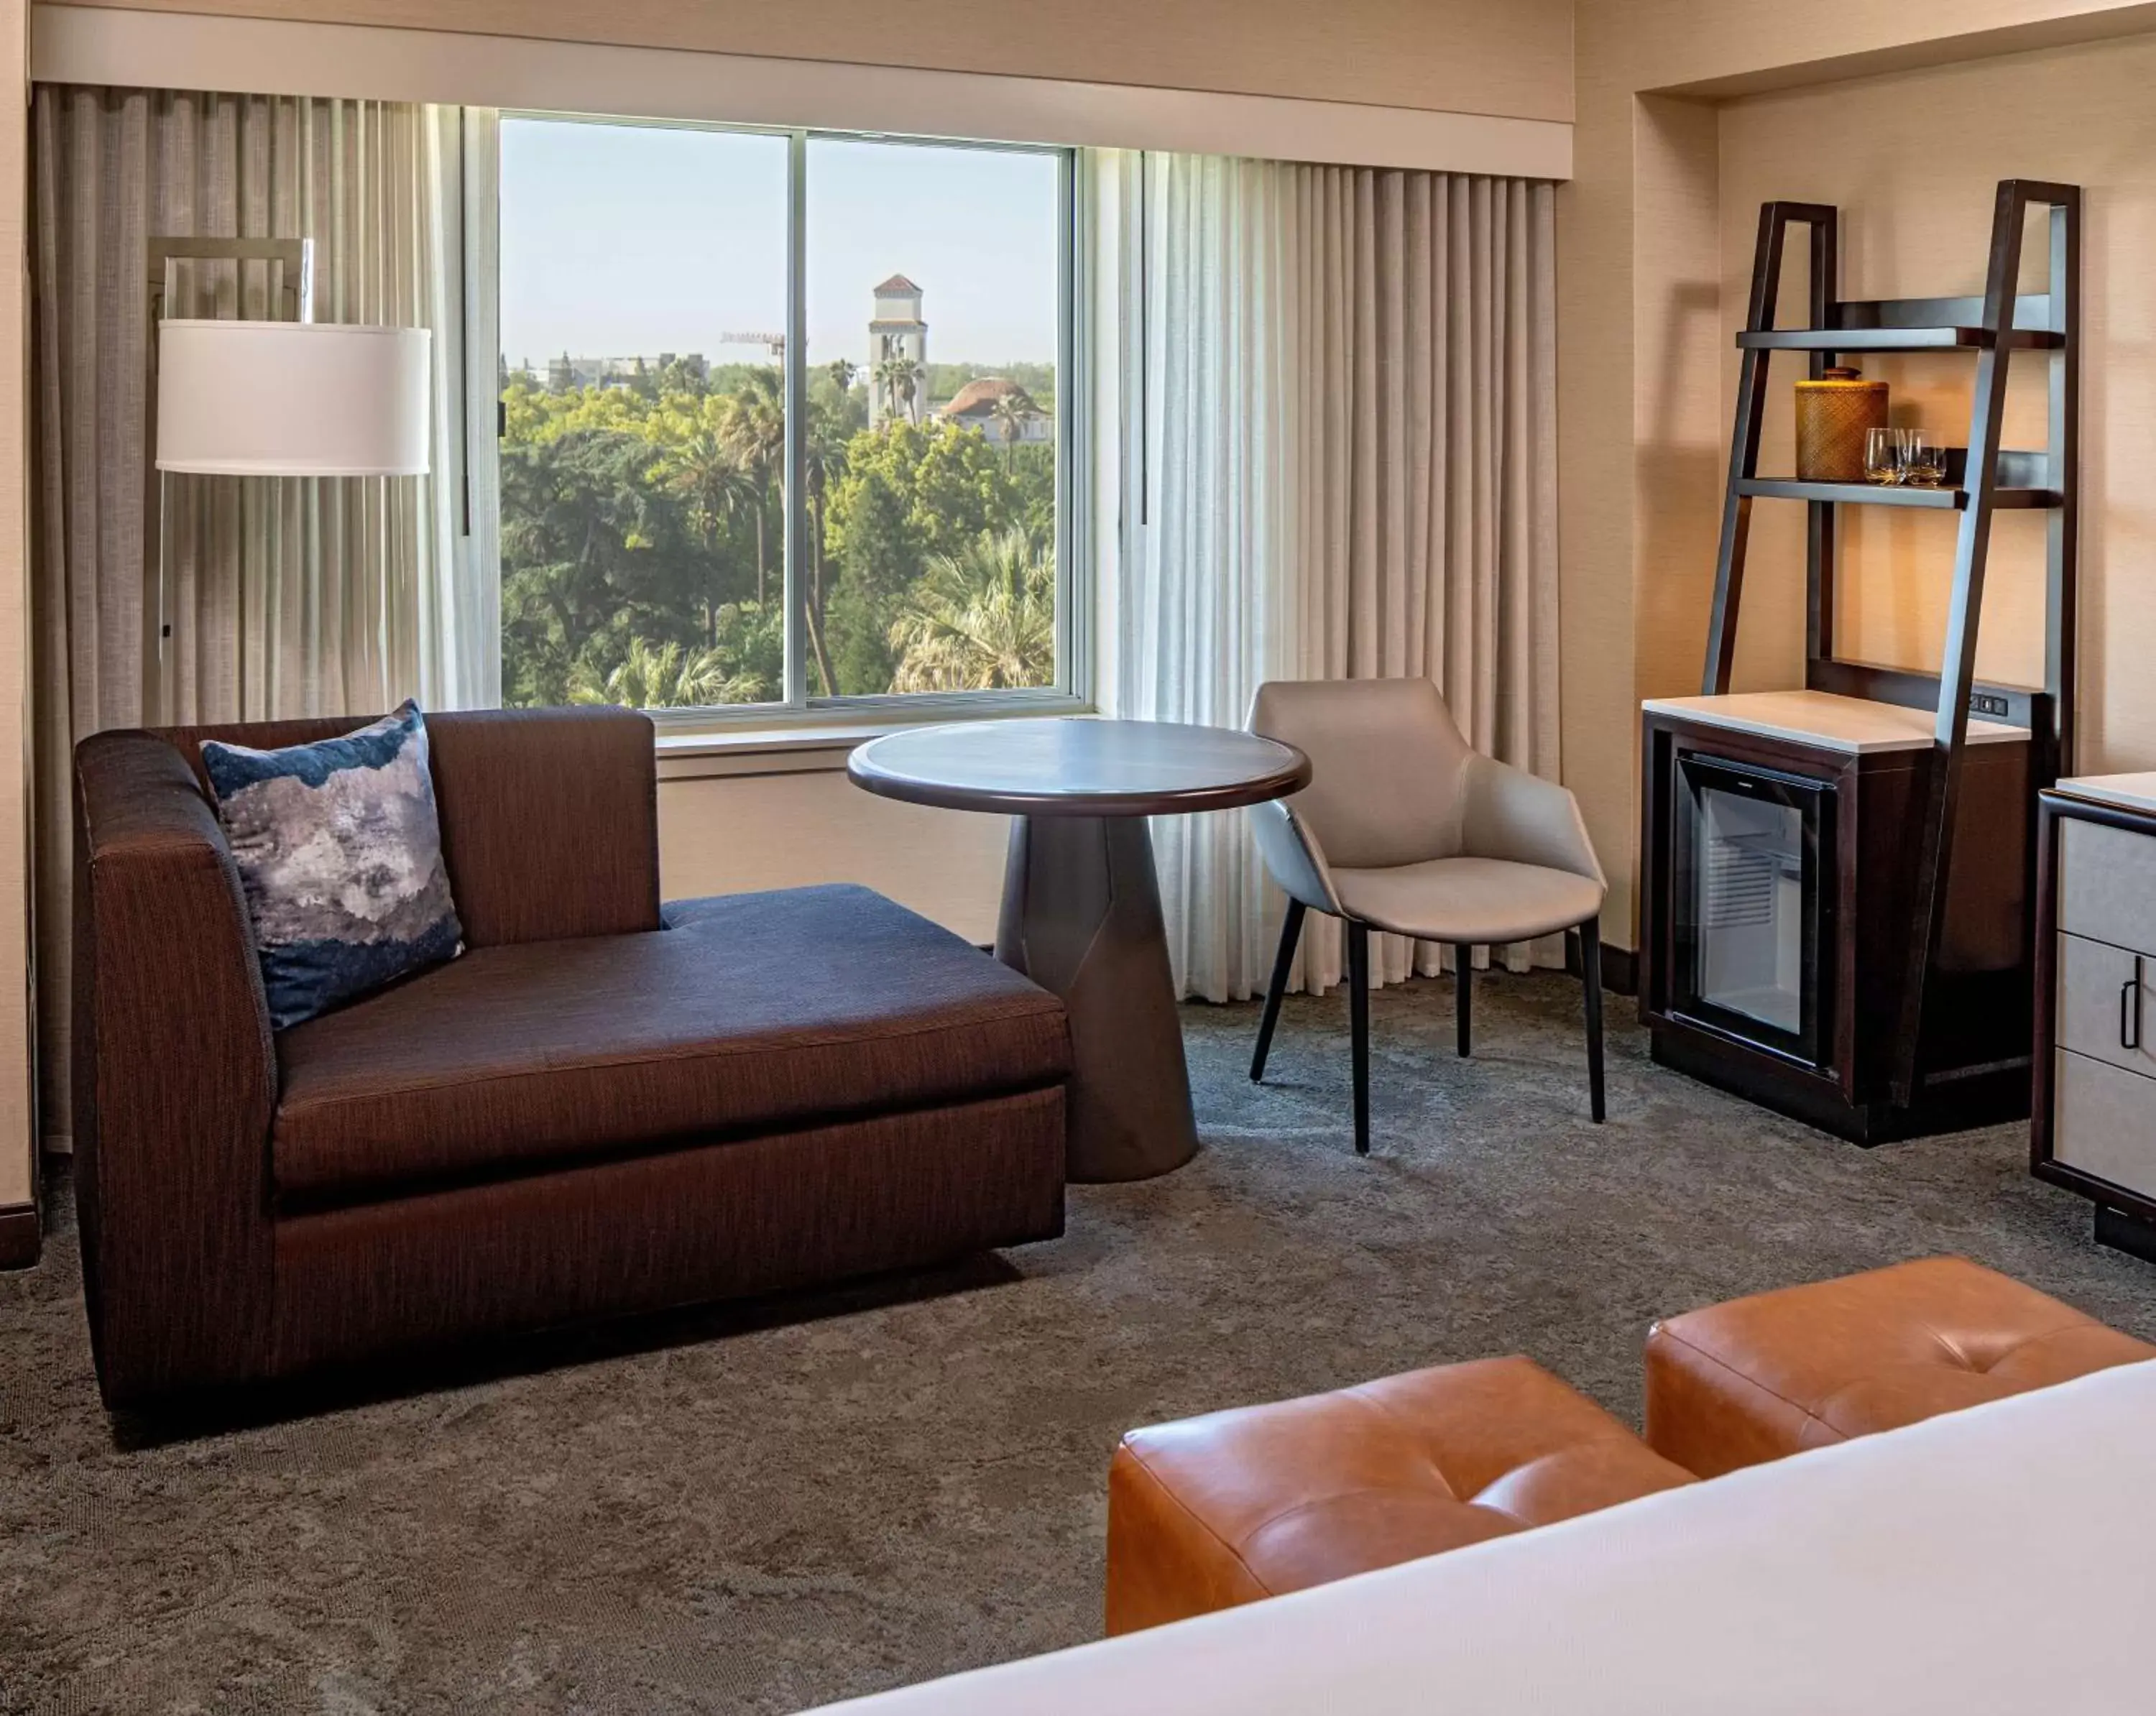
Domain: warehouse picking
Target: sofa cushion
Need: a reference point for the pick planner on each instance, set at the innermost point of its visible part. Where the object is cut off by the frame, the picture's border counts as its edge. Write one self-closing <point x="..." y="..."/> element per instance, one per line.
<point x="746" y="1015"/>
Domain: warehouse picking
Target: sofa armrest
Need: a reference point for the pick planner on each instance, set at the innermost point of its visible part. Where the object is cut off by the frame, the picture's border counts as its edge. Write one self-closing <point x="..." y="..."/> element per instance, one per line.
<point x="175" y="1079"/>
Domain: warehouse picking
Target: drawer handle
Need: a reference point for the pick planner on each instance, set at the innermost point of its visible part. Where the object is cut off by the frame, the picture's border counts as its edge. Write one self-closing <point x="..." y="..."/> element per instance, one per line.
<point x="2129" y="1009"/>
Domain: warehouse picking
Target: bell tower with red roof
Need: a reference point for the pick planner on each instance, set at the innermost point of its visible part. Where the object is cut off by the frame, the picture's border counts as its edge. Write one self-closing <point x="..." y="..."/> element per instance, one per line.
<point x="898" y="353"/>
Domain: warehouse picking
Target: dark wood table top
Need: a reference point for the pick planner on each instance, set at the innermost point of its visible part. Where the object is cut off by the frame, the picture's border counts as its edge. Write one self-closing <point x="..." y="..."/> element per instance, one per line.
<point x="1078" y="766"/>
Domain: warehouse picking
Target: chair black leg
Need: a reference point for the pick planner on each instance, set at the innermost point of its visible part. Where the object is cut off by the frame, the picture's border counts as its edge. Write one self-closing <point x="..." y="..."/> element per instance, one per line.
<point x="1359" y="1019"/>
<point x="1463" y="973"/>
<point x="1291" y="933"/>
<point x="1590" y="964"/>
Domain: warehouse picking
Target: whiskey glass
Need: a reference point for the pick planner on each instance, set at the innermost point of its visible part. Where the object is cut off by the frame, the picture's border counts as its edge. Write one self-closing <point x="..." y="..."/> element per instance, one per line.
<point x="1884" y="456"/>
<point x="1923" y="459"/>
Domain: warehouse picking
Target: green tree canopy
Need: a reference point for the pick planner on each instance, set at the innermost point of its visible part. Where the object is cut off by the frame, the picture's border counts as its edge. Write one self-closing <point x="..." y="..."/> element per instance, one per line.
<point x="981" y="620"/>
<point x="909" y="491"/>
<point x="642" y="540"/>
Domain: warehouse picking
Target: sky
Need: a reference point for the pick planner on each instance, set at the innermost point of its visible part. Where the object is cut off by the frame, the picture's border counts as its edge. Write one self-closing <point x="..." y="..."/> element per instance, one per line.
<point x="621" y="240"/>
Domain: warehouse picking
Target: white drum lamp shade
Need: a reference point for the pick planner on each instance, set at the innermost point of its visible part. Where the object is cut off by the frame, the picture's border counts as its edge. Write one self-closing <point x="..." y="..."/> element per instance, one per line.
<point x="292" y="399"/>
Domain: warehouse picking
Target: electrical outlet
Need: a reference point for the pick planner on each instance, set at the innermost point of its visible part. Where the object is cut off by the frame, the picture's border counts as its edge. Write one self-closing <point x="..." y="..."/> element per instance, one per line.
<point x="1987" y="703"/>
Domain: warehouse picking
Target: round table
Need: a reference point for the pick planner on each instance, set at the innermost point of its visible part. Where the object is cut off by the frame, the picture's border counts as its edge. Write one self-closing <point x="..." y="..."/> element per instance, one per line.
<point x="1081" y="906"/>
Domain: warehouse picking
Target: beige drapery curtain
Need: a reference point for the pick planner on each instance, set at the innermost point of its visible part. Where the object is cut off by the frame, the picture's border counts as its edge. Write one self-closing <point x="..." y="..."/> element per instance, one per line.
<point x="285" y="596"/>
<point x="1339" y="460"/>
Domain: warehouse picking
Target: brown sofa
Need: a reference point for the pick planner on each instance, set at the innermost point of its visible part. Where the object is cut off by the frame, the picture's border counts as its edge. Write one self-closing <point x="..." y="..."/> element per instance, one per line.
<point x="605" y="1105"/>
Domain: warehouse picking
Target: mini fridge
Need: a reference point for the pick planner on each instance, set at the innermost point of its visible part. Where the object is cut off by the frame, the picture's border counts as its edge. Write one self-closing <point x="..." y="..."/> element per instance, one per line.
<point x="1752" y="851"/>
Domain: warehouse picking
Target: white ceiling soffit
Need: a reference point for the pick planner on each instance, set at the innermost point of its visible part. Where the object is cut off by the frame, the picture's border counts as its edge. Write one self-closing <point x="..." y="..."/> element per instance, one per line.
<point x="184" y="50"/>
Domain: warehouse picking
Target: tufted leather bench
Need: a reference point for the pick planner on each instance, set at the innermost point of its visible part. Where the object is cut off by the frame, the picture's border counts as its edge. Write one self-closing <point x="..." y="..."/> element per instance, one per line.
<point x="1261" y="1500"/>
<point x="1752" y="1380"/>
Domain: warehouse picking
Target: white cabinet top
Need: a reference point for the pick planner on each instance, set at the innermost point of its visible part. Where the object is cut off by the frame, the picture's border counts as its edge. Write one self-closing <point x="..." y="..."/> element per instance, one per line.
<point x="1852" y="724"/>
<point x="2128" y="792"/>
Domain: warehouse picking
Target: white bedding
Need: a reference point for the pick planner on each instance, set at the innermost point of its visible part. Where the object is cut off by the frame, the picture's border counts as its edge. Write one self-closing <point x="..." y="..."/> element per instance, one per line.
<point x="2002" y="1559"/>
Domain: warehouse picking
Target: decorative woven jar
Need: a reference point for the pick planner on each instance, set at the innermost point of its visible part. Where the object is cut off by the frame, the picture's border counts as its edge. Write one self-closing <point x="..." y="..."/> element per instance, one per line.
<point x="1832" y="415"/>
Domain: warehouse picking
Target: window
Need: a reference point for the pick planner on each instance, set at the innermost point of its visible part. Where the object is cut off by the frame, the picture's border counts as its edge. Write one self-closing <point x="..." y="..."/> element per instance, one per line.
<point x="782" y="418"/>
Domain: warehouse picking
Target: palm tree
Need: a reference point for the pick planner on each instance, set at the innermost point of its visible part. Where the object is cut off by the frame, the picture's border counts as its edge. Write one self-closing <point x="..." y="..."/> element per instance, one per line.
<point x="1013" y="412"/>
<point x="752" y="426"/>
<point x="752" y="643"/>
<point x="980" y="619"/>
<point x="843" y="375"/>
<point x="824" y="461"/>
<point x="662" y="677"/>
<point x="718" y="486"/>
<point x="911" y="376"/>
<point x="900" y="378"/>
<point x="885" y="376"/>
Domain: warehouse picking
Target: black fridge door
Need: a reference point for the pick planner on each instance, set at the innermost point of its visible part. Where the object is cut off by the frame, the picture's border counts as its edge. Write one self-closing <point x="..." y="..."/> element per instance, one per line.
<point x="1752" y="913"/>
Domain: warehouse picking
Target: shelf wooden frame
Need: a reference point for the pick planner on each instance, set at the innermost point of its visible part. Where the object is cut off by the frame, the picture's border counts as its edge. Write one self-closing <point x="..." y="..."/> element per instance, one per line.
<point x="1938" y="500"/>
<point x="1889" y="339"/>
<point x="1984" y="480"/>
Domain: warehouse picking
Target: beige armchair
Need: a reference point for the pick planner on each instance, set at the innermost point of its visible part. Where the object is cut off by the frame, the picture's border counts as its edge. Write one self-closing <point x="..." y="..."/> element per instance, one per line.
<point x="1404" y="827"/>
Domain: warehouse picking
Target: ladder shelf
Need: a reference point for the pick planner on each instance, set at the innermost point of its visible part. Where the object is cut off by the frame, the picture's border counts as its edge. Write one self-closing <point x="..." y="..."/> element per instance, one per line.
<point x="1983" y="479"/>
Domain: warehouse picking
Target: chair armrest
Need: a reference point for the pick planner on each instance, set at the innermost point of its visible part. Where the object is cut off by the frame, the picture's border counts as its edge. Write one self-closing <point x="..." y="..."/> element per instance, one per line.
<point x="175" y="1079"/>
<point x="1289" y="846"/>
<point x="1512" y="815"/>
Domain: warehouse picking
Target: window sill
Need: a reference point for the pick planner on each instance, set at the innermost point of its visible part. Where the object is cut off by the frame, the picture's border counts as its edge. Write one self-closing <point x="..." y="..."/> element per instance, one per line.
<point x="809" y="747"/>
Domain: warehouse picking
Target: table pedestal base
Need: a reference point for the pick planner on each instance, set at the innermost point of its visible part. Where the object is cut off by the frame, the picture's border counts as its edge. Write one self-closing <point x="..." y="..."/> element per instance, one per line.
<point x="1081" y="917"/>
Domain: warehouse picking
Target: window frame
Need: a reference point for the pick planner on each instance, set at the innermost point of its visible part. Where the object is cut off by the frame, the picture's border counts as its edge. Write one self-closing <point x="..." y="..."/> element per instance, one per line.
<point x="1072" y="691"/>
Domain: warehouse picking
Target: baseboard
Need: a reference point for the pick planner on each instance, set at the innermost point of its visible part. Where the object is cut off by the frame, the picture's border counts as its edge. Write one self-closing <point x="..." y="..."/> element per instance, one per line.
<point x="1621" y="966"/>
<point x="21" y="1236"/>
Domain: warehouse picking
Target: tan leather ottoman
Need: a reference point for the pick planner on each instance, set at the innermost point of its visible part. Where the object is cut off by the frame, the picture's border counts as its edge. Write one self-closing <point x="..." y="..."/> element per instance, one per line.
<point x="1752" y="1380"/>
<point x="1261" y="1500"/>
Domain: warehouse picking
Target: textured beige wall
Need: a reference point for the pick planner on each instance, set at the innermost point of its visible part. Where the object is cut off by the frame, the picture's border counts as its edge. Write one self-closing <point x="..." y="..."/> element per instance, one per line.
<point x="1453" y="55"/>
<point x="1719" y="47"/>
<point x="17" y="1119"/>
<point x="1638" y="271"/>
<point x="736" y="834"/>
<point x="1645" y="313"/>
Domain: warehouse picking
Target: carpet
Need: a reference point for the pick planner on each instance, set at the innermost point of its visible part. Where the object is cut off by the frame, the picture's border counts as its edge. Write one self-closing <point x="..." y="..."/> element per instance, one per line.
<point x="762" y="1509"/>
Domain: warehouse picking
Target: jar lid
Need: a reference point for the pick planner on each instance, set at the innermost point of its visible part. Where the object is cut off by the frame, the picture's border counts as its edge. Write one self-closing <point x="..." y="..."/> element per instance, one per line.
<point x="1843" y="377"/>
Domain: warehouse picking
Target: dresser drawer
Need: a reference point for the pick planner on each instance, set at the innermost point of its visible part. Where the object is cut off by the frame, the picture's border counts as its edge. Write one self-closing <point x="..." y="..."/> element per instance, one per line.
<point x="2107" y="884"/>
<point x="2108" y="1004"/>
<point x="2104" y="1121"/>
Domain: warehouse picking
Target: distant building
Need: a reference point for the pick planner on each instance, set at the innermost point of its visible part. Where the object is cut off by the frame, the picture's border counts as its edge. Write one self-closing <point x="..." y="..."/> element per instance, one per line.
<point x="693" y="365"/>
<point x="897" y="332"/>
<point x="976" y="406"/>
<point x="566" y="374"/>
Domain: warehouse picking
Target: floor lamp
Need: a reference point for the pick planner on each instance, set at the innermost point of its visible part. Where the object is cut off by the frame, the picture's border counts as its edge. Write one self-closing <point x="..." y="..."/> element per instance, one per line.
<point x="294" y="397"/>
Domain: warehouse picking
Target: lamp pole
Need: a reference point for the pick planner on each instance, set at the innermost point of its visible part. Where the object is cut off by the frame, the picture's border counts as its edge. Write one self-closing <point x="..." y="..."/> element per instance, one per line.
<point x="291" y="263"/>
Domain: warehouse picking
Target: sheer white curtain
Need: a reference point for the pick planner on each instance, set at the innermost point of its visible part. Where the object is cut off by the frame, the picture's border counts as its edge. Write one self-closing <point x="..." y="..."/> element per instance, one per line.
<point x="285" y="597"/>
<point x="1338" y="390"/>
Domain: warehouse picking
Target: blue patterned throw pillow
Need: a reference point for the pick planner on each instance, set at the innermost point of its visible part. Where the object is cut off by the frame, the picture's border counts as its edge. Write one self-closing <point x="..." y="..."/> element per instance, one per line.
<point x="340" y="854"/>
